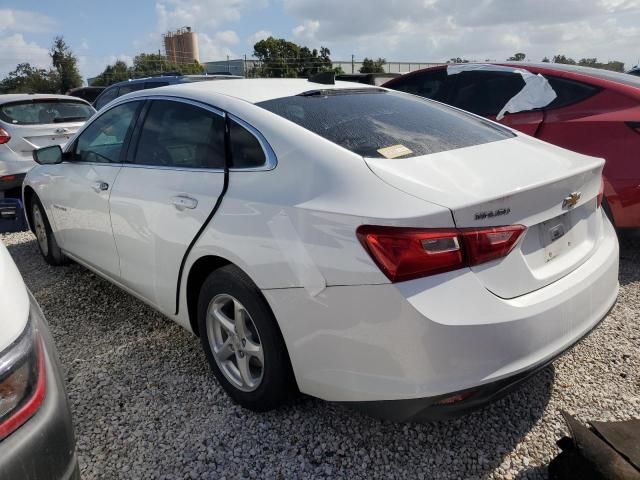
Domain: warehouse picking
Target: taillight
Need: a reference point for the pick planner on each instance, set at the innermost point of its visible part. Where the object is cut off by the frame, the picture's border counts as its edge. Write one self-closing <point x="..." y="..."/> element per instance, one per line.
<point x="600" y="193"/>
<point x="22" y="381"/>
<point x="4" y="136"/>
<point x="406" y="253"/>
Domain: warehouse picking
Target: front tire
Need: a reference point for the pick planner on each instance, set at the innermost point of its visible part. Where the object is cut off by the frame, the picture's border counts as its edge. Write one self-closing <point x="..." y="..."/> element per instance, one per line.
<point x="242" y="342"/>
<point x="44" y="235"/>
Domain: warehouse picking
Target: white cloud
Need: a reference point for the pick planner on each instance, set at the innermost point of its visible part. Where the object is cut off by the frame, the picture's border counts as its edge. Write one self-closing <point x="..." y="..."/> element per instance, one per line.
<point x="15" y="50"/>
<point x="201" y="15"/>
<point x="435" y="30"/>
<point x="257" y="36"/>
<point x="12" y="20"/>
<point x="227" y="37"/>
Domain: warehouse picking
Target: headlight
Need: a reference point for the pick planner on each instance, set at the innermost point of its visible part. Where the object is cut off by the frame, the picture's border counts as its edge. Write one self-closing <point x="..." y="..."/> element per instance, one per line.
<point x="22" y="380"/>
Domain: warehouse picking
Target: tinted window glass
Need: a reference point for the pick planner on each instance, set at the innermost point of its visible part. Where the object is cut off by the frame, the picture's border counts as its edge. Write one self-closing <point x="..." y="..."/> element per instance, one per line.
<point x="431" y="84"/>
<point x="155" y="84"/>
<point x="38" y="112"/>
<point x="131" y="87"/>
<point x="102" y="140"/>
<point x="246" y="151"/>
<point x="177" y="134"/>
<point x="367" y="122"/>
<point x="569" y="91"/>
<point x="485" y="93"/>
<point x="106" y="97"/>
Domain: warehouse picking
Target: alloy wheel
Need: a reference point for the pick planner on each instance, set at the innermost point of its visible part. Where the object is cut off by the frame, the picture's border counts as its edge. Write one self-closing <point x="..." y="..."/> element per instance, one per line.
<point x="235" y="342"/>
<point x="41" y="231"/>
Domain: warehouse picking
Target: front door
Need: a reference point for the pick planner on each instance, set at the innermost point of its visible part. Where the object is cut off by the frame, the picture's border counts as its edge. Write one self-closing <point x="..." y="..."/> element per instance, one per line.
<point x="164" y="194"/>
<point x="80" y="202"/>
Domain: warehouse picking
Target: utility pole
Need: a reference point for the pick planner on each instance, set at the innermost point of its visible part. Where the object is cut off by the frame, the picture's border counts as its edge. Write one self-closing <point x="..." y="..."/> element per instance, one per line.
<point x="352" y="63"/>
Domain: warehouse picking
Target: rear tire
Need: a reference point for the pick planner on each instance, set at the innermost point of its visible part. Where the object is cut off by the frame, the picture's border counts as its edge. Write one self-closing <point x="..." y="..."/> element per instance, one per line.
<point x="44" y="235"/>
<point x="242" y="341"/>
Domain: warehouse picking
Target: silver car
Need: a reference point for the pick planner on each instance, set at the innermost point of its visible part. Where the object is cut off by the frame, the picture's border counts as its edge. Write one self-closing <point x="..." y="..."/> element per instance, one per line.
<point x="32" y="121"/>
<point x="36" y="433"/>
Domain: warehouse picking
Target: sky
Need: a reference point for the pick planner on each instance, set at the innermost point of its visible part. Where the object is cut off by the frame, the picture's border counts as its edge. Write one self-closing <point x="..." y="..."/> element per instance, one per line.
<point x="411" y="30"/>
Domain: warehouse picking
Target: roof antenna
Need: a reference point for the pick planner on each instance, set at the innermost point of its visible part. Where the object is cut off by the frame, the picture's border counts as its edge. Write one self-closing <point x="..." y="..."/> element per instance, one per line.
<point x="325" y="78"/>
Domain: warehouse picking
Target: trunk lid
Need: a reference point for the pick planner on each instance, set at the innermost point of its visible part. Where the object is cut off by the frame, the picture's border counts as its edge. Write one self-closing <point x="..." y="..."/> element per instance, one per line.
<point x="516" y="181"/>
<point x="26" y="138"/>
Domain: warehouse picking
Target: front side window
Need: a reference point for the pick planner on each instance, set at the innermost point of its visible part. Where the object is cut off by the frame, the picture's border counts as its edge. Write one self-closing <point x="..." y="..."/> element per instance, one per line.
<point x="45" y="111"/>
<point x="246" y="151"/>
<point x="177" y="134"/>
<point x="103" y="139"/>
<point x="106" y="96"/>
<point x="378" y="123"/>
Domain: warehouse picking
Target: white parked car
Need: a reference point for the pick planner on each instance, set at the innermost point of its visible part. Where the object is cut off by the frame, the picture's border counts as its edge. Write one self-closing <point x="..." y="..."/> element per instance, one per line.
<point x="28" y="122"/>
<point x="357" y="244"/>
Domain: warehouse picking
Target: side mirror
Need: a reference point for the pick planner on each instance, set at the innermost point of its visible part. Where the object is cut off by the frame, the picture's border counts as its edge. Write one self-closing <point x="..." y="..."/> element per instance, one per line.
<point x="48" y="155"/>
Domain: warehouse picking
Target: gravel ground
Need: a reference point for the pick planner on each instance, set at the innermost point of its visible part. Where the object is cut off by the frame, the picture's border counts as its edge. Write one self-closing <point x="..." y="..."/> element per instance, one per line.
<point x="146" y="406"/>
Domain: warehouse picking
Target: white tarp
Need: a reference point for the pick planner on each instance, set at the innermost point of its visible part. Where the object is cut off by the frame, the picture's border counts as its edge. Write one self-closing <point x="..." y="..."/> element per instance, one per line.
<point x="536" y="93"/>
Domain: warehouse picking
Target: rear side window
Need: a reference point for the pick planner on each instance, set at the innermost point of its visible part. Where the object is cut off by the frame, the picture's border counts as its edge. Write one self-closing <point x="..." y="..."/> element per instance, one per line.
<point x="38" y="112"/>
<point x="177" y="134"/>
<point x="106" y="96"/>
<point x="131" y="87"/>
<point x="246" y="151"/>
<point x="430" y="84"/>
<point x="485" y="93"/>
<point x="103" y="139"/>
<point x="377" y="123"/>
<point x="569" y="91"/>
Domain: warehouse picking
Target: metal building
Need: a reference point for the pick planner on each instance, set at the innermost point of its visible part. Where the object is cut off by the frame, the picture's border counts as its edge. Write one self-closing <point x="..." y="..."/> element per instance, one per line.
<point x="181" y="46"/>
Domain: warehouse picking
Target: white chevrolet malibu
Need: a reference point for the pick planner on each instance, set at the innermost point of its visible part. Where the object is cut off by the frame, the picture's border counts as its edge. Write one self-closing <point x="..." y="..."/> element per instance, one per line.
<point x="356" y="244"/>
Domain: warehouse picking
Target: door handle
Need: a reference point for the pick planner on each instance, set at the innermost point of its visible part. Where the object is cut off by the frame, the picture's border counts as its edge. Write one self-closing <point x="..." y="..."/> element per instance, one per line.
<point x="183" y="201"/>
<point x="100" y="186"/>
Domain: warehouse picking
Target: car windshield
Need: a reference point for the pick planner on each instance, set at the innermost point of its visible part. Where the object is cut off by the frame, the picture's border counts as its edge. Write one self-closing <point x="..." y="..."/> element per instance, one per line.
<point x="377" y="123"/>
<point x="38" y="112"/>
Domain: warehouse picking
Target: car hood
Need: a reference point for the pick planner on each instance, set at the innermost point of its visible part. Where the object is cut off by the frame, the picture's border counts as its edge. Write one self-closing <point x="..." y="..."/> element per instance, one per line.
<point x="14" y="300"/>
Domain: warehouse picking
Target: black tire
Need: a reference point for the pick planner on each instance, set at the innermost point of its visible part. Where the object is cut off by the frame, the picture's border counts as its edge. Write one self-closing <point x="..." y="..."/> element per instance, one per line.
<point x="45" y="237"/>
<point x="276" y="385"/>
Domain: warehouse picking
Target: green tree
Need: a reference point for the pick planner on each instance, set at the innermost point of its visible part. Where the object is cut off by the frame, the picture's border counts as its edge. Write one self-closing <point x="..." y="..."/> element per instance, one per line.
<point x="614" y="65"/>
<point x="545" y="60"/>
<point x="28" y="79"/>
<point x="518" y="57"/>
<point x="66" y="64"/>
<point x="117" y="72"/>
<point x="281" y="58"/>
<point x="458" y="60"/>
<point x="563" y="59"/>
<point x="370" y="65"/>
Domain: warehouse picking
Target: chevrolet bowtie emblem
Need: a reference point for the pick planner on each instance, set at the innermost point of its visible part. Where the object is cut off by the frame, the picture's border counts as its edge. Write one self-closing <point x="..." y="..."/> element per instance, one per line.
<point x="572" y="200"/>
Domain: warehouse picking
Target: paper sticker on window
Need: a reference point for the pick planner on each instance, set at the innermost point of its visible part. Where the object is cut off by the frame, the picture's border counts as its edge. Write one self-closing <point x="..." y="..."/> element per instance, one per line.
<point x="394" y="151"/>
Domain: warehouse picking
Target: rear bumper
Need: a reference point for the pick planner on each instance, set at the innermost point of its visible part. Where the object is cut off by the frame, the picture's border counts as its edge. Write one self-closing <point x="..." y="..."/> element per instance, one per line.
<point x="431" y="409"/>
<point x="429" y="337"/>
<point x="11" y="182"/>
<point x="44" y="447"/>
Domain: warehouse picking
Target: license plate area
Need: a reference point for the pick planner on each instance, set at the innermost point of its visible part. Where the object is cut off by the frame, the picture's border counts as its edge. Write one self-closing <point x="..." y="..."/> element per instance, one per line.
<point x="556" y="235"/>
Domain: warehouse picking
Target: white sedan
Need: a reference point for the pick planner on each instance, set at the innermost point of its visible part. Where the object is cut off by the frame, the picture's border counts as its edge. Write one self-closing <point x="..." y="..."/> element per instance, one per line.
<point x="356" y="244"/>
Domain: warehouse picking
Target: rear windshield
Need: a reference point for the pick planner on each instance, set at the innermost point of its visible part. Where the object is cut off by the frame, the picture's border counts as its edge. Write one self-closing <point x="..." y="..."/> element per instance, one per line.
<point x="380" y="124"/>
<point x="37" y="112"/>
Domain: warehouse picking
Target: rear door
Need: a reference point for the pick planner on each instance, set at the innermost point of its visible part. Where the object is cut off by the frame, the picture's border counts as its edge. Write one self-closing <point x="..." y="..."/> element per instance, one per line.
<point x="164" y="193"/>
<point x="80" y="189"/>
<point x="485" y="93"/>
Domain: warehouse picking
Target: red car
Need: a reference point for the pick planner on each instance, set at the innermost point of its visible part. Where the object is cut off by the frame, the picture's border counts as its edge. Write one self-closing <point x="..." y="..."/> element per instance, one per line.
<point x="596" y="112"/>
